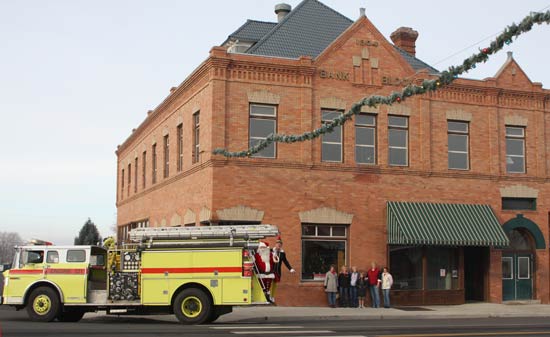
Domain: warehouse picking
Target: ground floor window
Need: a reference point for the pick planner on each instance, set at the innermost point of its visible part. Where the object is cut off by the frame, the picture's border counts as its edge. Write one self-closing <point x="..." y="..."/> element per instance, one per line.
<point x="406" y="267"/>
<point x="322" y="246"/>
<point x="442" y="268"/>
<point x="440" y="272"/>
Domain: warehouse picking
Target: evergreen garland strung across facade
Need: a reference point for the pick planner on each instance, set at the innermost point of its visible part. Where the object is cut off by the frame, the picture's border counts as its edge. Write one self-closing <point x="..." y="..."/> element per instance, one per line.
<point x="445" y="78"/>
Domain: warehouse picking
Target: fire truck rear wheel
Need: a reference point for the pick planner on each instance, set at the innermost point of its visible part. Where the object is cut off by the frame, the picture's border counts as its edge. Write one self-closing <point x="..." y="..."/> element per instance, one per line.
<point x="192" y="306"/>
<point x="43" y="304"/>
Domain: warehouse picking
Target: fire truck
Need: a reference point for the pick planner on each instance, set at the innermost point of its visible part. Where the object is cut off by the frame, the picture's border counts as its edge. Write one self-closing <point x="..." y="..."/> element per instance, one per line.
<point x="195" y="273"/>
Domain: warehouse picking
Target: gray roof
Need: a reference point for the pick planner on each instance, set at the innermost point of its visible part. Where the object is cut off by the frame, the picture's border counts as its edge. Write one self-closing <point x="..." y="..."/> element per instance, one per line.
<point x="252" y="31"/>
<point x="415" y="63"/>
<point x="306" y="31"/>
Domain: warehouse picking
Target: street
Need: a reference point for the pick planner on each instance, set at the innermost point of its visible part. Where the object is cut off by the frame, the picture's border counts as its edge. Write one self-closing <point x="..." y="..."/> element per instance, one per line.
<point x="14" y="323"/>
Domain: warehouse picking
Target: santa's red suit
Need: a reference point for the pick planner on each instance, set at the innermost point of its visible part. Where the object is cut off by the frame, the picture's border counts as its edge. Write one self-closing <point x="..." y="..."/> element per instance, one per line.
<point x="264" y="262"/>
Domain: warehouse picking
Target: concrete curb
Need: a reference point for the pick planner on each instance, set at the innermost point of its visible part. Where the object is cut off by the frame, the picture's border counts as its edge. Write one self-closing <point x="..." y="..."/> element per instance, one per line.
<point x="286" y="319"/>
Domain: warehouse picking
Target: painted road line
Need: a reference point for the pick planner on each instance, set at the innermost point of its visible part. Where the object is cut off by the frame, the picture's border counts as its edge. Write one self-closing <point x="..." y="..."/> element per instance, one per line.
<point x="287" y="332"/>
<point x="228" y="327"/>
<point x="458" y="334"/>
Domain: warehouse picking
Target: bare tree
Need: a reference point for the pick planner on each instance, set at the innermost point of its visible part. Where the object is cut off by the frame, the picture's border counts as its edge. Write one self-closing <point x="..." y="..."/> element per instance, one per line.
<point x="7" y="241"/>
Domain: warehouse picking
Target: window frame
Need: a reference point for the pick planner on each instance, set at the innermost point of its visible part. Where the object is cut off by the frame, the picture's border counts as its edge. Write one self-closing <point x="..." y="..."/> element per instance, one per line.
<point x="511" y="199"/>
<point x="76" y="250"/>
<point x="196" y="137"/>
<point x="374" y="127"/>
<point x="273" y="118"/>
<point x="520" y="258"/>
<point x="154" y="163"/>
<point x="122" y="179"/>
<point x="52" y="253"/>
<point x="523" y="138"/>
<point x="129" y="177"/>
<point x="144" y="169"/>
<point x="180" y="147"/>
<point x="459" y="133"/>
<point x="341" y="143"/>
<point x="166" y="154"/>
<point x="136" y="164"/>
<point x="511" y="261"/>
<point x="406" y="148"/>
<point x="317" y="238"/>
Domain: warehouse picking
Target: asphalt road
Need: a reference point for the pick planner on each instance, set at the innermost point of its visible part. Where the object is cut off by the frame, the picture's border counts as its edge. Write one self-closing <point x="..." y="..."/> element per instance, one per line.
<point x="16" y="324"/>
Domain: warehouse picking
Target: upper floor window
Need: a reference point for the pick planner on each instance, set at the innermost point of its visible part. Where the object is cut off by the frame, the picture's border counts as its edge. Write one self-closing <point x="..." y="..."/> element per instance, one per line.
<point x="458" y="138"/>
<point x="129" y="177"/>
<point x="331" y="143"/>
<point x="398" y="141"/>
<point x="196" y="136"/>
<point x="180" y="147"/>
<point x="263" y="122"/>
<point x="365" y="139"/>
<point x="144" y="169"/>
<point x="122" y="184"/>
<point x="154" y="160"/>
<point x="136" y="175"/>
<point x="166" y="156"/>
<point x="515" y="149"/>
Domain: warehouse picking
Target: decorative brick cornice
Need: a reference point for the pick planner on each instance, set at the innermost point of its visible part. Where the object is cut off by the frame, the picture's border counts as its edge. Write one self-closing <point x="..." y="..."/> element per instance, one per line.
<point x="515" y="120"/>
<point x="263" y="96"/>
<point x="333" y="103"/>
<point x="518" y="191"/>
<point x="240" y="213"/>
<point x="325" y="215"/>
<point x="459" y="115"/>
<point x="189" y="218"/>
<point x="205" y="214"/>
<point x="175" y="220"/>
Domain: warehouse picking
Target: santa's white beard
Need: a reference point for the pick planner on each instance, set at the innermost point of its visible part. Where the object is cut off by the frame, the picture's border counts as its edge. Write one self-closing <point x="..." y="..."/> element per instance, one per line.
<point x="264" y="255"/>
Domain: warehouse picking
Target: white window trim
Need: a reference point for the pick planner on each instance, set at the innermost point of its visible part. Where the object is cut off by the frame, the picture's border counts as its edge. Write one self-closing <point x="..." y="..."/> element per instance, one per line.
<point x="516" y="137"/>
<point x="467" y="152"/>
<point x="406" y="128"/>
<point x="263" y="117"/>
<point x="341" y="143"/>
<point x="528" y="268"/>
<point x="511" y="260"/>
<point x="368" y="126"/>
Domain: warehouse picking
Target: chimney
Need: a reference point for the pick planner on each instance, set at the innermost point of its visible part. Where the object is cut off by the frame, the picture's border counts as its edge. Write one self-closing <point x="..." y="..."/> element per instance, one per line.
<point x="282" y="10"/>
<point x="362" y="11"/>
<point x="405" y="38"/>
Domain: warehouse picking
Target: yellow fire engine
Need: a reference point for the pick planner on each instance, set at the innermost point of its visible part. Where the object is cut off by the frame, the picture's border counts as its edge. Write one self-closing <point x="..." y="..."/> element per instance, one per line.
<point x="196" y="273"/>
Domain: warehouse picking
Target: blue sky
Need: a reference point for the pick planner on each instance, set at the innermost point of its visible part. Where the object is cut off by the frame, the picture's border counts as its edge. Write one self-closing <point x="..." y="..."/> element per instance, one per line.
<point x="76" y="77"/>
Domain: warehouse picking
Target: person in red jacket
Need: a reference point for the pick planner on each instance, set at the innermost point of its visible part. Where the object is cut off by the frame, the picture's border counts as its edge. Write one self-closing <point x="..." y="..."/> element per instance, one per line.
<point x="373" y="275"/>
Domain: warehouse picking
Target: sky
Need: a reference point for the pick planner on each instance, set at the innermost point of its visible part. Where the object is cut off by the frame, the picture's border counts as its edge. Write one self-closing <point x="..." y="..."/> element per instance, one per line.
<point x="76" y="76"/>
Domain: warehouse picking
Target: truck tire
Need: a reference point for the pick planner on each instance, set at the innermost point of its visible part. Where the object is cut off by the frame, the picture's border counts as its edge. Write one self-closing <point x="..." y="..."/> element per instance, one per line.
<point x="192" y="306"/>
<point x="43" y="304"/>
<point x="70" y="315"/>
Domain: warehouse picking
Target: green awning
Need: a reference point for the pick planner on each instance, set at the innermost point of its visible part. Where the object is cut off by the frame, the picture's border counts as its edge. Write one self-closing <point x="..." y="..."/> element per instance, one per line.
<point x="418" y="223"/>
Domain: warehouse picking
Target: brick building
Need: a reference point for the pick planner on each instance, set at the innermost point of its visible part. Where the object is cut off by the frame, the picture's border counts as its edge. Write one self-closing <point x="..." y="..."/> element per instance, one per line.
<point x="449" y="189"/>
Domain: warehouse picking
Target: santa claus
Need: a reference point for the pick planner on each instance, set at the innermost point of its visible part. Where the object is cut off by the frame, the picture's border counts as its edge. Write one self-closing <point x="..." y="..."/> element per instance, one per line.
<point x="264" y="262"/>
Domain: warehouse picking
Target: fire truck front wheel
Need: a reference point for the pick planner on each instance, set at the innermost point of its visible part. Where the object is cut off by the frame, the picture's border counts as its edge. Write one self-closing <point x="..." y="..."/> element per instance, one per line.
<point x="192" y="306"/>
<point x="43" y="304"/>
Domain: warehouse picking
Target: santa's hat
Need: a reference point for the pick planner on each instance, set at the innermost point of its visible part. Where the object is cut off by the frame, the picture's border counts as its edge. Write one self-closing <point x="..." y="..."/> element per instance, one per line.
<point x="263" y="244"/>
<point x="279" y="240"/>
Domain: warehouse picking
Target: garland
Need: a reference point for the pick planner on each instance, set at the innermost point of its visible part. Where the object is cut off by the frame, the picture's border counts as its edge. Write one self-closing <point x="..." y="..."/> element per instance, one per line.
<point x="445" y="78"/>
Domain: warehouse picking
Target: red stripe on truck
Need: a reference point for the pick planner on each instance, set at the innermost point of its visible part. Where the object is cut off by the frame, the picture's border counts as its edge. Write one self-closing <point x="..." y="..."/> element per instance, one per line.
<point x="191" y="270"/>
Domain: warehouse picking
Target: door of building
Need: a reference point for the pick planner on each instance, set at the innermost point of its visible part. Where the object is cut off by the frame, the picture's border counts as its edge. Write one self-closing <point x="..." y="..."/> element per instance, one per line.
<point x="476" y="260"/>
<point x="517" y="267"/>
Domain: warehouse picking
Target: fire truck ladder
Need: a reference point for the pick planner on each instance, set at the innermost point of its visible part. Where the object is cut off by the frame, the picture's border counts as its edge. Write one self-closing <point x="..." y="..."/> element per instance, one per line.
<point x="246" y="236"/>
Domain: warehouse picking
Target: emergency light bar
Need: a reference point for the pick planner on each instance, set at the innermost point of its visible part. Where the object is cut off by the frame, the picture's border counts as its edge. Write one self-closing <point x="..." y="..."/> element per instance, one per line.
<point x="37" y="242"/>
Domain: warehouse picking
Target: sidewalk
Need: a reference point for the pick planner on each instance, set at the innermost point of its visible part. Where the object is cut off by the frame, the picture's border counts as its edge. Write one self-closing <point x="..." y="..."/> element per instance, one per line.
<point x="272" y="314"/>
<point x="473" y="310"/>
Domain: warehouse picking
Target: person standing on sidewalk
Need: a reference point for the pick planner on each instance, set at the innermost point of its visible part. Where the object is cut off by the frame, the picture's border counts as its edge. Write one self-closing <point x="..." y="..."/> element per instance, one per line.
<point x="344" y="285"/>
<point x="279" y="257"/>
<point x="362" y="289"/>
<point x="373" y="275"/>
<point x="353" y="287"/>
<point x="387" y="281"/>
<point x="331" y="286"/>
